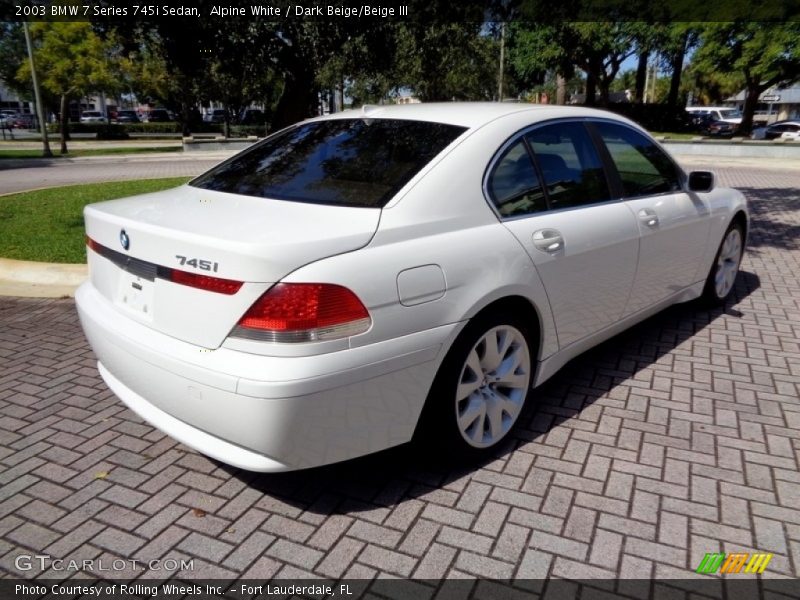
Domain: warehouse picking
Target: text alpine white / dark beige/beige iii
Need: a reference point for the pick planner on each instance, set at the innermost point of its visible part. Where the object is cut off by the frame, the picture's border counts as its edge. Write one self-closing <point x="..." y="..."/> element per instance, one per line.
<point x="362" y="278"/>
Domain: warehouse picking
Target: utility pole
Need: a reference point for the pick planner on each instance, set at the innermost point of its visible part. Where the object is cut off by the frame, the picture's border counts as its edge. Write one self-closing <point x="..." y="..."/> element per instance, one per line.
<point x="502" y="61"/>
<point x="37" y="95"/>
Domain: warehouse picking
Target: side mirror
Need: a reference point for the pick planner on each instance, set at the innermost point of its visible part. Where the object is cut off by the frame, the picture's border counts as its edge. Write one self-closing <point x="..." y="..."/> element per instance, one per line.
<point x="701" y="181"/>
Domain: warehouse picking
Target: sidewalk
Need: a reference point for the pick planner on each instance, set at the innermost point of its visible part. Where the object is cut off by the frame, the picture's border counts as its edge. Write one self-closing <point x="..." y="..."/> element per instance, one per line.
<point x="40" y="280"/>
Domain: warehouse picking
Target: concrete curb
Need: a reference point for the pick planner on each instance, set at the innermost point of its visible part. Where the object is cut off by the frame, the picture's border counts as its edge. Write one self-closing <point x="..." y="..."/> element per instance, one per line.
<point x="40" y="280"/>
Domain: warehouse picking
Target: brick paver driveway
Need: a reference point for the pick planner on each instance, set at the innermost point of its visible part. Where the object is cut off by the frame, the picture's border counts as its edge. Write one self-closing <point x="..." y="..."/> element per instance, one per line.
<point x="677" y="438"/>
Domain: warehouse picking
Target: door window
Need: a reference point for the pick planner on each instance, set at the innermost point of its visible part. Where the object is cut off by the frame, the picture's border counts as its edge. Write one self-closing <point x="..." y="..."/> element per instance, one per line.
<point x="643" y="167"/>
<point x="513" y="184"/>
<point x="572" y="171"/>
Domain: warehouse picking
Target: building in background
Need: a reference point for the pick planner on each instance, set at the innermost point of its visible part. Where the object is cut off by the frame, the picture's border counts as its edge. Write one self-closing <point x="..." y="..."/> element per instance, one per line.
<point x="775" y="104"/>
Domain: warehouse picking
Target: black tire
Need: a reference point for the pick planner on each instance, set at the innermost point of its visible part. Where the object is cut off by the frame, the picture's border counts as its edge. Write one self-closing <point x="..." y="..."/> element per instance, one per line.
<point x="439" y="429"/>
<point x="725" y="267"/>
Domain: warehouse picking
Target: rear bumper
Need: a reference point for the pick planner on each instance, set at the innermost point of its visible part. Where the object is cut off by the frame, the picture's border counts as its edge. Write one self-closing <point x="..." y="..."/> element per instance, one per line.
<point x="265" y="413"/>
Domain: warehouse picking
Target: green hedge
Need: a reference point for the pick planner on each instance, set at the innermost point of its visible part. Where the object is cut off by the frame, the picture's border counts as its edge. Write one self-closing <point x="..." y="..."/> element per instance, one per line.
<point x="168" y="127"/>
<point x="248" y="130"/>
<point x="112" y="132"/>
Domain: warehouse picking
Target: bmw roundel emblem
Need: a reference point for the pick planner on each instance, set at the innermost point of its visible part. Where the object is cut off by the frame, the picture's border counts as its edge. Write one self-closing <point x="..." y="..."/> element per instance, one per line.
<point x="124" y="239"/>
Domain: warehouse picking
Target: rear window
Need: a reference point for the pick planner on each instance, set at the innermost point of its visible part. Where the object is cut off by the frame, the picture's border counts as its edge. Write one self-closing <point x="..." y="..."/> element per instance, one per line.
<point x="347" y="162"/>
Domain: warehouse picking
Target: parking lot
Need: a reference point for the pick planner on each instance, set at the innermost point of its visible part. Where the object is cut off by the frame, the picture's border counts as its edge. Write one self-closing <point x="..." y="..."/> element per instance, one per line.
<point x="678" y="438"/>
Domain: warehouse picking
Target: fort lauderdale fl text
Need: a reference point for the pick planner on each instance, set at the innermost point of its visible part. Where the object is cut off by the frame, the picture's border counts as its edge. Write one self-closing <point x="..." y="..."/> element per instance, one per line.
<point x="168" y="589"/>
<point x="297" y="10"/>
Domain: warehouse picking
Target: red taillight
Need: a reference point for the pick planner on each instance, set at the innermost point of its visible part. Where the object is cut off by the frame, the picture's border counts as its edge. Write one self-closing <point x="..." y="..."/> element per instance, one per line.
<point x="92" y="244"/>
<point x="205" y="282"/>
<point x="302" y="312"/>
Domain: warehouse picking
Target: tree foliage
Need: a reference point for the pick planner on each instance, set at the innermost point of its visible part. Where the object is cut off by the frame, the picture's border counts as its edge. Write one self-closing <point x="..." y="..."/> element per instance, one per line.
<point x="72" y="61"/>
<point x="764" y="55"/>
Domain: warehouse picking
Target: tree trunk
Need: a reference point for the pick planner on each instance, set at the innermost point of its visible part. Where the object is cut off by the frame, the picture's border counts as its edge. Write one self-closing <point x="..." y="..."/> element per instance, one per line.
<point x="677" y="70"/>
<point x="226" y="121"/>
<point x="64" y="123"/>
<point x="752" y="93"/>
<point x="641" y="76"/>
<point x="297" y="102"/>
<point x="591" y="88"/>
<point x="185" y="118"/>
<point x="561" y="89"/>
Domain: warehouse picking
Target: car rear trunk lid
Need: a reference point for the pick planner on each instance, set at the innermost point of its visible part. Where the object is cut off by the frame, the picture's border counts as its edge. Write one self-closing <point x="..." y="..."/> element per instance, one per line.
<point x="225" y="236"/>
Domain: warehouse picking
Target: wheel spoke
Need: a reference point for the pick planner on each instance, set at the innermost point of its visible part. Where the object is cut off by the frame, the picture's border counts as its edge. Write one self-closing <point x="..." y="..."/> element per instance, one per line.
<point x="491" y="354"/>
<point x="475" y="408"/>
<point x="510" y="365"/>
<point x="480" y="425"/>
<point x="513" y="380"/>
<point x="471" y="377"/>
<point x="494" y="412"/>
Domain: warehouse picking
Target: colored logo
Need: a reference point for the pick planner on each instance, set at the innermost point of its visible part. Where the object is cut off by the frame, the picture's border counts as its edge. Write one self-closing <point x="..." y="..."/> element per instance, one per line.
<point x="124" y="239"/>
<point x="734" y="562"/>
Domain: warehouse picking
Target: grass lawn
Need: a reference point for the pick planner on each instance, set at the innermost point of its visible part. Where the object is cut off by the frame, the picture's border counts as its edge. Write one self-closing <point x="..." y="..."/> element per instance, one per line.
<point x="37" y="153"/>
<point x="674" y="136"/>
<point x="47" y="225"/>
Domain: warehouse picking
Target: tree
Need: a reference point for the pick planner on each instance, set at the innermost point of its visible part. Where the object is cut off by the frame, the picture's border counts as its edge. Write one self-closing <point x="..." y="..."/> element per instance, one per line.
<point x="679" y="39"/>
<point x="446" y="61"/>
<point x="72" y="61"/>
<point x="12" y="49"/>
<point x="765" y="54"/>
<point x="536" y="49"/>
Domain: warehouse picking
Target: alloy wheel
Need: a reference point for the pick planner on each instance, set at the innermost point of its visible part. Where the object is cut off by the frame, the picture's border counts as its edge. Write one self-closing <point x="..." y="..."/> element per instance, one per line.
<point x="492" y="386"/>
<point x="730" y="255"/>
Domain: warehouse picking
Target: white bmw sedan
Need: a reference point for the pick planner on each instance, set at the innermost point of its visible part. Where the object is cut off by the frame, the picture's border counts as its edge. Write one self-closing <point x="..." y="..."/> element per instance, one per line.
<point x="361" y="277"/>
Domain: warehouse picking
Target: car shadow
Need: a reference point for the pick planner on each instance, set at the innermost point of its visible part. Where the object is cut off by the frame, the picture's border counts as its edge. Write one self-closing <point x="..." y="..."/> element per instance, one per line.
<point x="411" y="471"/>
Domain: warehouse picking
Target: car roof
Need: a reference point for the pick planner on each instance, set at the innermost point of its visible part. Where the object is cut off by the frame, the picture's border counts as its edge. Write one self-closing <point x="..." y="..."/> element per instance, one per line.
<point x="466" y="114"/>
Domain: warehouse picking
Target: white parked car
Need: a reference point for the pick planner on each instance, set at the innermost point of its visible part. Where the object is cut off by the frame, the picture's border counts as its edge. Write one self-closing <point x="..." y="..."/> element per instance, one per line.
<point x="359" y="277"/>
<point x="726" y="114"/>
<point x="93" y="116"/>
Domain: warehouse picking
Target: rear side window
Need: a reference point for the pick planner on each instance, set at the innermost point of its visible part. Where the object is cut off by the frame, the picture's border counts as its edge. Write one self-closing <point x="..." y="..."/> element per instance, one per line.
<point x="513" y="185"/>
<point x="347" y="162"/>
<point x="643" y="167"/>
<point x="572" y="170"/>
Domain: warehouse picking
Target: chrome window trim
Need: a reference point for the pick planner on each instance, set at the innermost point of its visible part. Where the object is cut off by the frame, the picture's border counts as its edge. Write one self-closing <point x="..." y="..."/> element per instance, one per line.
<point x="513" y="139"/>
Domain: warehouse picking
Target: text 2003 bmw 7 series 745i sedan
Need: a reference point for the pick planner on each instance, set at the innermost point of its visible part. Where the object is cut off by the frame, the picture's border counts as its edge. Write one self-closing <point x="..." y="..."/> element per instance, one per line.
<point x="358" y="278"/>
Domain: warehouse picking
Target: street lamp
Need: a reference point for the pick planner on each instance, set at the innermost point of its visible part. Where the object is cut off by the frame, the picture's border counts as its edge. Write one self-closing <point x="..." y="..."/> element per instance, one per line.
<point x="37" y="95"/>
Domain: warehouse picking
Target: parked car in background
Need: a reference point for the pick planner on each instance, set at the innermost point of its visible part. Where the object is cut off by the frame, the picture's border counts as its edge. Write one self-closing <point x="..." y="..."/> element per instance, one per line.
<point x="721" y="129"/>
<point x="793" y="134"/>
<point x="252" y="116"/>
<point x="716" y="113"/>
<point x="362" y="278"/>
<point x="777" y="129"/>
<point x="158" y="115"/>
<point x="93" y="116"/>
<point x="216" y="115"/>
<point x="127" y="116"/>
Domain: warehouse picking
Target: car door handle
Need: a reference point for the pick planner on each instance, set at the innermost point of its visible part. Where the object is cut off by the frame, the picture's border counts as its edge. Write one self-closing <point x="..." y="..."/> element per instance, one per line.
<point x="649" y="217"/>
<point x="548" y="240"/>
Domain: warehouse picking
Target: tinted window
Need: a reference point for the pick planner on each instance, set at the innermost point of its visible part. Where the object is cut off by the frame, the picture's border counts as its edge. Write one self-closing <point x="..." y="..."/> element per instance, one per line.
<point x="353" y="162"/>
<point x="572" y="171"/>
<point x="513" y="184"/>
<point x="643" y="167"/>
